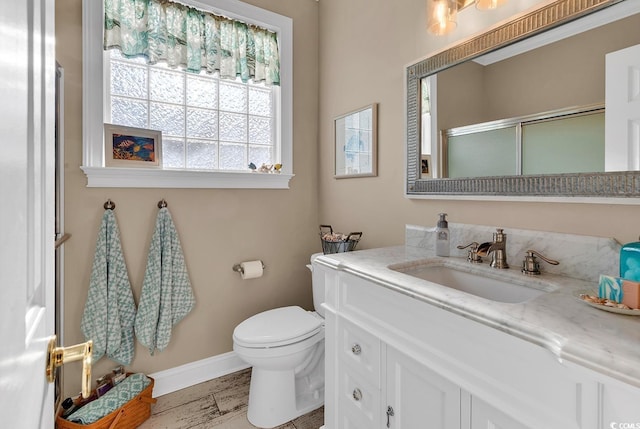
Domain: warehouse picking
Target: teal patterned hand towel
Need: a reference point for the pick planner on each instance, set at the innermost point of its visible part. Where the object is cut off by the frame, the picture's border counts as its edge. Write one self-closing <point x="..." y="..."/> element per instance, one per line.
<point x="115" y="398"/>
<point x="166" y="296"/>
<point x="110" y="311"/>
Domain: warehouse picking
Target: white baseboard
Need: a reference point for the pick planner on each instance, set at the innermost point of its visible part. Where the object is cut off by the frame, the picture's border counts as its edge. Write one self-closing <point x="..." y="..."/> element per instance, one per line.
<point x="192" y="373"/>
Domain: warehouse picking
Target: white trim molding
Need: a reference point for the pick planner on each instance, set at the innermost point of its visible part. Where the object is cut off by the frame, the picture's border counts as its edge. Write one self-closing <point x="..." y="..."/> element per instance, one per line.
<point x="190" y="374"/>
<point x="113" y="177"/>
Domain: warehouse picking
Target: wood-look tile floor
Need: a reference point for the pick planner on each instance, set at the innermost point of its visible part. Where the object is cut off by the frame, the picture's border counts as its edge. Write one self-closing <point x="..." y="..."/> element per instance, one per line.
<point x="220" y="403"/>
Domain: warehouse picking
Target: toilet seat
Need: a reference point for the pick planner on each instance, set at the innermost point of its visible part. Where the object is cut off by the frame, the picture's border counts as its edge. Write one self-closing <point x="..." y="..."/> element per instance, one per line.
<point x="277" y="327"/>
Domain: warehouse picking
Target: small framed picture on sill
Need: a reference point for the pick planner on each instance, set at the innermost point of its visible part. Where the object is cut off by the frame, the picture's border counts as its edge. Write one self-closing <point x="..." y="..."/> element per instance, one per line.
<point x="426" y="167"/>
<point x="132" y="147"/>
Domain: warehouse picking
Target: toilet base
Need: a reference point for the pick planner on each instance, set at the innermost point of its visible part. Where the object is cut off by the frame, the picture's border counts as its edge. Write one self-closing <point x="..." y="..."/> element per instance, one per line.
<point x="273" y="401"/>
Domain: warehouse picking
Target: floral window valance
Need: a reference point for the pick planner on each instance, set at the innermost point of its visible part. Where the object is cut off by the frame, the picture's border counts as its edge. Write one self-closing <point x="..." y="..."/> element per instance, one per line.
<point x="161" y="30"/>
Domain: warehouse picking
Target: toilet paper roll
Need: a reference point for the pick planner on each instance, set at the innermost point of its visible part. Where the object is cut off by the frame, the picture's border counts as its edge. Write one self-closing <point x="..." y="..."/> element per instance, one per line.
<point x="251" y="269"/>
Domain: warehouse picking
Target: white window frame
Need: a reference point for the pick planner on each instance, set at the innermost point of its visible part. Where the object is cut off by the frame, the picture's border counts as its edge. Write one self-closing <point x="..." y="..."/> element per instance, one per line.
<point x="93" y="109"/>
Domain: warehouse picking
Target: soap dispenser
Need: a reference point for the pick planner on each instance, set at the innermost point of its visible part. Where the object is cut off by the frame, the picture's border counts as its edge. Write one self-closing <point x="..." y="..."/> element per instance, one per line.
<point x="442" y="236"/>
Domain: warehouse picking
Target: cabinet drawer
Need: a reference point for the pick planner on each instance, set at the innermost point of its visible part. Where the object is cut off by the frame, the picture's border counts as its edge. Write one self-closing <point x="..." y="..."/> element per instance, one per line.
<point x="360" y="350"/>
<point x="358" y="400"/>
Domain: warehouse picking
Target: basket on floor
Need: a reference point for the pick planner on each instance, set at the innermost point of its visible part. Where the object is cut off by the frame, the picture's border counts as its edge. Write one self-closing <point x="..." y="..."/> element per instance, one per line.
<point x="129" y="416"/>
<point x="336" y="242"/>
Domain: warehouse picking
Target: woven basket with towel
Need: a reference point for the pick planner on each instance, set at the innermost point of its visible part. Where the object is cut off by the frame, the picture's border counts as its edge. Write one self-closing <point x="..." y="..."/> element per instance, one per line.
<point x="129" y="415"/>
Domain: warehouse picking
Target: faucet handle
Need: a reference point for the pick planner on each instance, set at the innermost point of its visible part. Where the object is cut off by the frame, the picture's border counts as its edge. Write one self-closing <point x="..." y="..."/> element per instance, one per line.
<point x="499" y="235"/>
<point x="472" y="255"/>
<point x="530" y="265"/>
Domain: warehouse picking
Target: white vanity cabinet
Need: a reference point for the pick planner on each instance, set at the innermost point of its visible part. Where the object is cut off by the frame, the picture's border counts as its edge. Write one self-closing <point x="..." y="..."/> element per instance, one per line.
<point x="396" y="361"/>
<point x="370" y="375"/>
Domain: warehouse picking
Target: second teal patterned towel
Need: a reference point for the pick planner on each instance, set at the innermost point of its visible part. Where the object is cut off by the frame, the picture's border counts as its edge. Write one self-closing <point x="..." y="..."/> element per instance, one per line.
<point x="166" y="296"/>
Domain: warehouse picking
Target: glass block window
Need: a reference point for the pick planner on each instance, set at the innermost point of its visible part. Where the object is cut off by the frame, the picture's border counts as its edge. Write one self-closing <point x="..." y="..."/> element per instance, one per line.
<point x="207" y="123"/>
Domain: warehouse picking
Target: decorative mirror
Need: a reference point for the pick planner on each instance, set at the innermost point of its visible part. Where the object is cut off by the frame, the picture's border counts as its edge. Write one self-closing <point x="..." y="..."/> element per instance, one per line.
<point x="559" y="20"/>
<point x="356" y="141"/>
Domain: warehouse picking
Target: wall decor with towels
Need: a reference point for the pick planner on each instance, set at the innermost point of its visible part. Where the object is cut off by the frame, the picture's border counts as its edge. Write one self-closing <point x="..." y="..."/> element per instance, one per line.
<point x="110" y="310"/>
<point x="167" y="296"/>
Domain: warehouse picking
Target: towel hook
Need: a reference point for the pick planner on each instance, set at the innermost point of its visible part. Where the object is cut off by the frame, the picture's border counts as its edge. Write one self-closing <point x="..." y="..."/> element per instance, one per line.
<point x="162" y="203"/>
<point x="109" y="205"/>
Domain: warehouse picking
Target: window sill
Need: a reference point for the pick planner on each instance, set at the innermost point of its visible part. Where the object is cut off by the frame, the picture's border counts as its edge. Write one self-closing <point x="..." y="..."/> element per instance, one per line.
<point x="111" y="177"/>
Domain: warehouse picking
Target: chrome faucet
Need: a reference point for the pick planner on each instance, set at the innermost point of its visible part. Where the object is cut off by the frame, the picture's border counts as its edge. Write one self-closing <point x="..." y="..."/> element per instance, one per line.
<point x="530" y="265"/>
<point x="472" y="253"/>
<point x="497" y="250"/>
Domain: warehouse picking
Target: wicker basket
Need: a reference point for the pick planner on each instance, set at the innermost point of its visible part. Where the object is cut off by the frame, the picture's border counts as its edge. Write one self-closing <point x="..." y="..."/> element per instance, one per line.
<point x="129" y="416"/>
<point x="346" y="244"/>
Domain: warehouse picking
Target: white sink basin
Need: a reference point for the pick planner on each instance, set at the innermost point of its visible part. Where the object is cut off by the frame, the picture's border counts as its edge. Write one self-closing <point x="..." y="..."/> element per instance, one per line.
<point x="488" y="287"/>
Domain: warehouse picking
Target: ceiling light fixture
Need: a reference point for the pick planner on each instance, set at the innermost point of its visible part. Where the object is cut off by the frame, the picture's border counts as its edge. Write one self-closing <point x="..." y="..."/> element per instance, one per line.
<point x="489" y="4"/>
<point x="442" y="15"/>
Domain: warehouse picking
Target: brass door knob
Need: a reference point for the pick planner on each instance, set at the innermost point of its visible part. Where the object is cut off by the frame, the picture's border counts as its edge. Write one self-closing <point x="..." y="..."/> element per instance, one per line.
<point x="58" y="356"/>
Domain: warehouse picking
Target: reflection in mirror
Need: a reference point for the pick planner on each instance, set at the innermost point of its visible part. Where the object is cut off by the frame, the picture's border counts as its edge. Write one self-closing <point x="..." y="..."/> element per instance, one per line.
<point x="356" y="143"/>
<point x="530" y="99"/>
<point x="563" y="141"/>
<point x="568" y="74"/>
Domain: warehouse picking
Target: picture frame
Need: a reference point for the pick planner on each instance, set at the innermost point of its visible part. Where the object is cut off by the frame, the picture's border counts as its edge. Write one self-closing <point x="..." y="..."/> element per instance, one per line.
<point x="425" y="167"/>
<point x="132" y="147"/>
<point x="356" y="143"/>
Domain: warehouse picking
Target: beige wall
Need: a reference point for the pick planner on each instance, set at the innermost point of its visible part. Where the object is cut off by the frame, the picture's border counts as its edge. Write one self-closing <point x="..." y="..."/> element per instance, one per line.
<point x="461" y="96"/>
<point x="218" y="227"/>
<point x="365" y="45"/>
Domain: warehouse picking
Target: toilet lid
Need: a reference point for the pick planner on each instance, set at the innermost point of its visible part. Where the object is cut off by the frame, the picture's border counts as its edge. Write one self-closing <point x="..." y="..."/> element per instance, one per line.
<point x="277" y="327"/>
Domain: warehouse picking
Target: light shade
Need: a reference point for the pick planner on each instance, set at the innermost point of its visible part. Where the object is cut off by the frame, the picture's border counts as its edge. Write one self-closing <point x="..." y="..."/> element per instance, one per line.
<point x="442" y="16"/>
<point x="489" y="4"/>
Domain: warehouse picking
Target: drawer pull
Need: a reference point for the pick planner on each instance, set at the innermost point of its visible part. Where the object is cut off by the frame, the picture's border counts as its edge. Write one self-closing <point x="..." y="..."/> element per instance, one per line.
<point x="357" y="394"/>
<point x="390" y="414"/>
<point x="356" y="349"/>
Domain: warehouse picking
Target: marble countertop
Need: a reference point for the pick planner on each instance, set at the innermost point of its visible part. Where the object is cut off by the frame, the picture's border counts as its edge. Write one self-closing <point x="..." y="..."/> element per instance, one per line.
<point x="558" y="320"/>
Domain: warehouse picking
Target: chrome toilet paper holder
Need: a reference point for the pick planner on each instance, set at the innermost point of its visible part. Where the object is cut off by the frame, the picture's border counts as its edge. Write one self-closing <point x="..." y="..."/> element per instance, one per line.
<point x="238" y="268"/>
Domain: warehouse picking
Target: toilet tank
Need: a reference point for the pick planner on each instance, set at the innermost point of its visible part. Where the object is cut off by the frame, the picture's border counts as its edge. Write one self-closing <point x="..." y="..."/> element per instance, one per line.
<point x="317" y="283"/>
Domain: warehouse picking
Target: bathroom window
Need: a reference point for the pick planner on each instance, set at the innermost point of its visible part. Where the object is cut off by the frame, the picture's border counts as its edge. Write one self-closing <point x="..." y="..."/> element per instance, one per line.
<point x="212" y="128"/>
<point x="207" y="123"/>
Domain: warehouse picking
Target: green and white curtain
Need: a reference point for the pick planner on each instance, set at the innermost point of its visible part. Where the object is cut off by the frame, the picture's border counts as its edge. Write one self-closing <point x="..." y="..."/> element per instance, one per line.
<point x="161" y="30"/>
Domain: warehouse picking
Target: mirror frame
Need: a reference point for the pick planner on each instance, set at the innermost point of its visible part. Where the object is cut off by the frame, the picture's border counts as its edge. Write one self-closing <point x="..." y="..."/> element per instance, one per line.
<point x="623" y="184"/>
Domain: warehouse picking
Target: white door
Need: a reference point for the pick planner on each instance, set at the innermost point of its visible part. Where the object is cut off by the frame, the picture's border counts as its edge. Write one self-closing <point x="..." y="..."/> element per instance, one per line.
<point x="418" y="397"/>
<point x="27" y="79"/>
<point x="622" y="113"/>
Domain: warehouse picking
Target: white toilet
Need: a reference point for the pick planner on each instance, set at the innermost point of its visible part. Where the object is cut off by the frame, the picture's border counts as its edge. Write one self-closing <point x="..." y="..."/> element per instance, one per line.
<point x="285" y="346"/>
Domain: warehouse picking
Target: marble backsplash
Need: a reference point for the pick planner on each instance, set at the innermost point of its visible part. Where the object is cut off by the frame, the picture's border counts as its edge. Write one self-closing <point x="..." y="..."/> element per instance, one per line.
<point x="580" y="256"/>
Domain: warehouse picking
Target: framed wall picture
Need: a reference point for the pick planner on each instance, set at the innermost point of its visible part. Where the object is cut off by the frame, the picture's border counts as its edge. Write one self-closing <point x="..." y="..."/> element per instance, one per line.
<point x="425" y="171"/>
<point x="132" y="147"/>
<point x="356" y="141"/>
